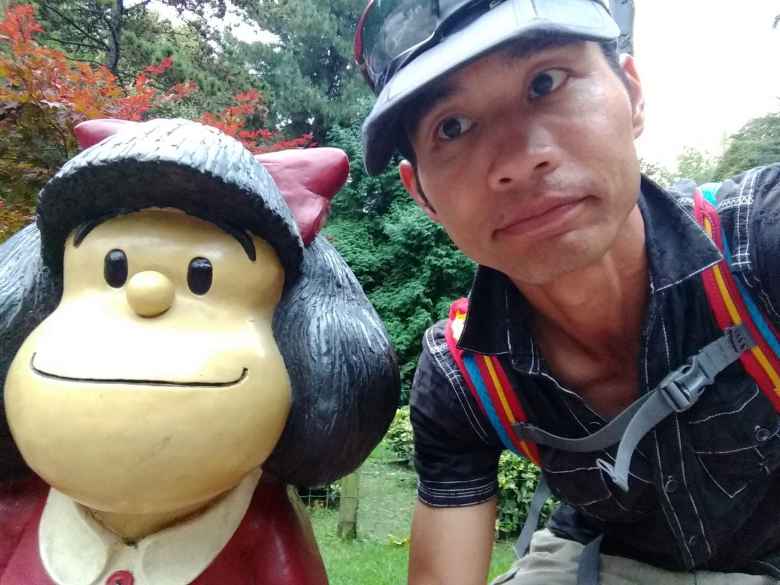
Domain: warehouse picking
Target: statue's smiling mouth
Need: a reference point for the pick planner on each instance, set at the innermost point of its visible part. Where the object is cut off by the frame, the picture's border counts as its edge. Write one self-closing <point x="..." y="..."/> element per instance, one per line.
<point x="51" y="376"/>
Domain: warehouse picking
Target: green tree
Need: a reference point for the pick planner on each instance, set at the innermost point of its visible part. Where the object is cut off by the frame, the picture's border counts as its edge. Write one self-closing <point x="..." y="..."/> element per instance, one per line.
<point x="200" y="53"/>
<point x="313" y="84"/>
<point x="656" y="172"/>
<point x="696" y="165"/>
<point x="407" y="265"/>
<point x="96" y="31"/>
<point x="757" y="143"/>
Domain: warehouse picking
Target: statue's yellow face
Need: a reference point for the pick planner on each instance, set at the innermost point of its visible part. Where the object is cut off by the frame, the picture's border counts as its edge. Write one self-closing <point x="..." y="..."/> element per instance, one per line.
<point x="157" y="383"/>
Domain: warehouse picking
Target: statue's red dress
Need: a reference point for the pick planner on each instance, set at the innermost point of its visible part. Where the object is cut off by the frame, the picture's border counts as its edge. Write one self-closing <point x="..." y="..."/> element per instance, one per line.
<point x="271" y="546"/>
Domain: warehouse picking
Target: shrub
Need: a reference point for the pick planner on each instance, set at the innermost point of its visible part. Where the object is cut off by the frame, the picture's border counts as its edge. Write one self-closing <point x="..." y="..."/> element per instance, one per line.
<point x="517" y="479"/>
<point x="399" y="436"/>
<point x="13" y="217"/>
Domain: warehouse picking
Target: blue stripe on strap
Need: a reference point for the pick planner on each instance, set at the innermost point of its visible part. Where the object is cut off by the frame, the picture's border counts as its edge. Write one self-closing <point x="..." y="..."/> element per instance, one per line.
<point x="755" y="313"/>
<point x="476" y="378"/>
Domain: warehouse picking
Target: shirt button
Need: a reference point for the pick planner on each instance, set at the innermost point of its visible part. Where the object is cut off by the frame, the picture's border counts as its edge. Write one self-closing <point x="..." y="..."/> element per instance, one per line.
<point x="761" y="434"/>
<point x="671" y="485"/>
<point x="120" y="578"/>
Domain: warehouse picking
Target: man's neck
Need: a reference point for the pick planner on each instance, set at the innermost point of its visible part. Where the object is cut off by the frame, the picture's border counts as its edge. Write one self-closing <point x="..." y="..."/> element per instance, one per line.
<point x="599" y="308"/>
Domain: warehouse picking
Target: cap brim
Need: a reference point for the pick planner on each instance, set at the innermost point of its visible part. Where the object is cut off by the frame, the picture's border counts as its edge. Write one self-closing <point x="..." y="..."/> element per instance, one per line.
<point x="511" y="20"/>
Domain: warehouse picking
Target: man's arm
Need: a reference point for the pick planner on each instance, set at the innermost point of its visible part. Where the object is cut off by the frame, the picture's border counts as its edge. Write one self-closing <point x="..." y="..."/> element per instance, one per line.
<point x="451" y="546"/>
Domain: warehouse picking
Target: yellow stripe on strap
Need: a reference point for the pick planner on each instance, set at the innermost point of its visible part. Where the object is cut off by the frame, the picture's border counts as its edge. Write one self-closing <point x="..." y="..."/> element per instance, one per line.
<point x="499" y="389"/>
<point x="502" y="397"/>
<point x="760" y="356"/>
<point x="724" y="292"/>
<point x="757" y="352"/>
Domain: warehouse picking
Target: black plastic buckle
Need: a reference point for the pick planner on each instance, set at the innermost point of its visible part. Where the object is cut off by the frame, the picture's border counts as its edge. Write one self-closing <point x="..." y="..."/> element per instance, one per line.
<point x="684" y="386"/>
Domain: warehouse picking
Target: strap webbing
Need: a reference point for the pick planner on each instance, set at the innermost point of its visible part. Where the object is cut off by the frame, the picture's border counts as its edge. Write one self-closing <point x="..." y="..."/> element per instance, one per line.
<point x="605" y="437"/>
<point x="489" y="384"/>
<point x="541" y="495"/>
<point x="589" y="567"/>
<point x="677" y="392"/>
<point x="676" y="395"/>
<point x="732" y="304"/>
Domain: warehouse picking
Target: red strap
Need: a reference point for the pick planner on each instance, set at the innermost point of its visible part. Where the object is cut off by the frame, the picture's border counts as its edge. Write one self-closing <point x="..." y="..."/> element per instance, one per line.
<point x="497" y="384"/>
<point x="729" y="309"/>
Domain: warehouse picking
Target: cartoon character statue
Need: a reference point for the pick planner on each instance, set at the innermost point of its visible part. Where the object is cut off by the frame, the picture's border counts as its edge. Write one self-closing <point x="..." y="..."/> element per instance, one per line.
<point x="184" y="348"/>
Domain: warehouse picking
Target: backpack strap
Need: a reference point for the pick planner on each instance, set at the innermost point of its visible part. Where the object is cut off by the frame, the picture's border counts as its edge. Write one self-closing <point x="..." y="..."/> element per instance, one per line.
<point x="489" y="384"/>
<point x="732" y="305"/>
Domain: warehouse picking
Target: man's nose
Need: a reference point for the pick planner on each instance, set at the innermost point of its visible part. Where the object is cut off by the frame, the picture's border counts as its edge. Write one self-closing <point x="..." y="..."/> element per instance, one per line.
<point x="150" y="293"/>
<point x="522" y="155"/>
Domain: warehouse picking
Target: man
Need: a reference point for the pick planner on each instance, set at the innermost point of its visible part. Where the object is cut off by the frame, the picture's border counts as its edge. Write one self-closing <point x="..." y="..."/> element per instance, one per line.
<point x="517" y="121"/>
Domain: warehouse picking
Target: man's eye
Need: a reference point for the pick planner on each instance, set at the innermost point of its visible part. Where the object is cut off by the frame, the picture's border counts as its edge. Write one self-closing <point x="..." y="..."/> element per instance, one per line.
<point x="453" y="127"/>
<point x="546" y="82"/>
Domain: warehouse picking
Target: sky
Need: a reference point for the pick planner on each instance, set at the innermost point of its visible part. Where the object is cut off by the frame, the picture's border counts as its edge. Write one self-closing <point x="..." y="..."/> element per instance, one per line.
<point x="707" y="67"/>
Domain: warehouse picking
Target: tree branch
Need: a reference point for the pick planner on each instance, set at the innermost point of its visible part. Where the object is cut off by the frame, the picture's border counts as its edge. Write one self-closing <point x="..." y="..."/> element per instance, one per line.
<point x="73" y="23"/>
<point x="75" y="44"/>
<point x="135" y="7"/>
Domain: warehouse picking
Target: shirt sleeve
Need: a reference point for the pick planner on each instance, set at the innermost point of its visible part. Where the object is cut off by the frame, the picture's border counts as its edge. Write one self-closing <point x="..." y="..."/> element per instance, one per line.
<point x="759" y="221"/>
<point x="456" y="450"/>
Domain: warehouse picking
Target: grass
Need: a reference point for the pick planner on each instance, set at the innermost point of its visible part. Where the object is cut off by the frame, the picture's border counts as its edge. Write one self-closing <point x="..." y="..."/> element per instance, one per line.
<point x="380" y="554"/>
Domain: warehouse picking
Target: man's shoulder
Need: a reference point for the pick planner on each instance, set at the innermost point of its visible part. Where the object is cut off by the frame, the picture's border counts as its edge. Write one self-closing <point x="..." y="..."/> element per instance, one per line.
<point x="749" y="187"/>
<point x="747" y="203"/>
<point x="436" y="359"/>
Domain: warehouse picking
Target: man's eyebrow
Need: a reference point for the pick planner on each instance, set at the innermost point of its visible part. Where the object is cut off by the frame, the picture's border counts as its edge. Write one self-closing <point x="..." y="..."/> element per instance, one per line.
<point x="421" y="105"/>
<point x="83" y="230"/>
<point x="526" y="48"/>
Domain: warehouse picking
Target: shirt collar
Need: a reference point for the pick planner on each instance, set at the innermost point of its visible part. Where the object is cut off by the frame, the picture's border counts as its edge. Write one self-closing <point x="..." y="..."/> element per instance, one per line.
<point x="677" y="249"/>
<point x="77" y="550"/>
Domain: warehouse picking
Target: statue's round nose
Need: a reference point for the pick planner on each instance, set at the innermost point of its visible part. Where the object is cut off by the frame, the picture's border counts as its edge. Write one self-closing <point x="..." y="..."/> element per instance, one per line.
<point x="150" y="293"/>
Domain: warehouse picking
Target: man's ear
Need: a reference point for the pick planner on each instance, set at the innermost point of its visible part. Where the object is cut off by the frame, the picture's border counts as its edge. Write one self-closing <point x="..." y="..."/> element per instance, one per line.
<point x="635" y="93"/>
<point x="412" y="186"/>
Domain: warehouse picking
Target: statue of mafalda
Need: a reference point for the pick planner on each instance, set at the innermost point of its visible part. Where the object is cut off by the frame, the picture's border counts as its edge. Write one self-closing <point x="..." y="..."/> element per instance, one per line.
<point x="181" y="346"/>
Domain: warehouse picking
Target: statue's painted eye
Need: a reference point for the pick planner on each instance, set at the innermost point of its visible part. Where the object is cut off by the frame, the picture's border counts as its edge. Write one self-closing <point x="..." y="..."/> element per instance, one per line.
<point x="115" y="268"/>
<point x="200" y="275"/>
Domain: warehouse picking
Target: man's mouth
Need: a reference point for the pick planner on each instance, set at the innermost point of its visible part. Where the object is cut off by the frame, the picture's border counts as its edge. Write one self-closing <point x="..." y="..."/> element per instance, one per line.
<point x="542" y="216"/>
<point x="139" y="382"/>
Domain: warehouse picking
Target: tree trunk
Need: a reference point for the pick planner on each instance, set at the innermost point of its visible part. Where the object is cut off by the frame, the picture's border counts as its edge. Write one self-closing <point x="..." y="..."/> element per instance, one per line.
<point x="348" y="507"/>
<point x="115" y="36"/>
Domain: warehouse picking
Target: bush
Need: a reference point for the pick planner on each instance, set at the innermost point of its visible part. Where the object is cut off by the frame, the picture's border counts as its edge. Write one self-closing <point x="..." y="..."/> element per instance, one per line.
<point x="13" y="217"/>
<point x="517" y="479"/>
<point x="399" y="436"/>
<point x="406" y="264"/>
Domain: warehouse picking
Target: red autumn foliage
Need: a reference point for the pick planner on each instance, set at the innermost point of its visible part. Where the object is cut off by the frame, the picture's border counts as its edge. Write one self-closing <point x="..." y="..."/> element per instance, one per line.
<point x="233" y="120"/>
<point x="43" y="95"/>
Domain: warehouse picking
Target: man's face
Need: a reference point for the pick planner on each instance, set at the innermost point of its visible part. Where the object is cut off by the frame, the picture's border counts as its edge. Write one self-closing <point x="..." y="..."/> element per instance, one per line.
<point x="528" y="161"/>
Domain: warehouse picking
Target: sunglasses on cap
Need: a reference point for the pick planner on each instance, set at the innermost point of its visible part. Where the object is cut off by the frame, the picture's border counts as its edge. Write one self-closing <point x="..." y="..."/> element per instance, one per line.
<point x="390" y="33"/>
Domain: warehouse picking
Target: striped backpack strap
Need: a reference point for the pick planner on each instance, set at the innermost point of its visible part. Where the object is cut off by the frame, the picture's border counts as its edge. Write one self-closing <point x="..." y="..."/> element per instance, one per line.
<point x="732" y="304"/>
<point x="490" y="386"/>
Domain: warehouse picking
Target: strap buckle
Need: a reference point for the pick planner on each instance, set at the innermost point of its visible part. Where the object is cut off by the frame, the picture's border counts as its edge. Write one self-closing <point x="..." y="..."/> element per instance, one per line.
<point x="684" y="386"/>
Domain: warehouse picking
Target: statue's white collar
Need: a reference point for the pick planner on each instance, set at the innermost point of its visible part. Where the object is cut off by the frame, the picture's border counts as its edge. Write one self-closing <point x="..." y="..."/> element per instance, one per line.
<point x="76" y="550"/>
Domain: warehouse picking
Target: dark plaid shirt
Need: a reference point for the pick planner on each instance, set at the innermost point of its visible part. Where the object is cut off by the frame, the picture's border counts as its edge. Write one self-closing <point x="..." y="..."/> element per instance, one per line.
<point x="705" y="484"/>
